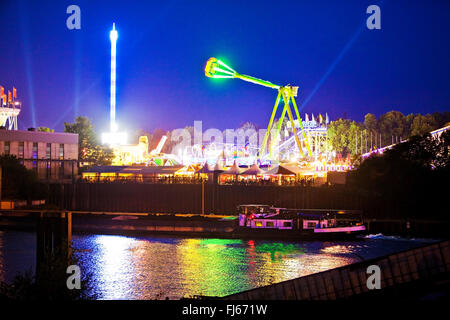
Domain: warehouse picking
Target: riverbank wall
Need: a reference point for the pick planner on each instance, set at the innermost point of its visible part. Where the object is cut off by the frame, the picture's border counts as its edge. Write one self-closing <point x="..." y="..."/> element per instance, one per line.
<point x="389" y="217"/>
<point x="200" y="225"/>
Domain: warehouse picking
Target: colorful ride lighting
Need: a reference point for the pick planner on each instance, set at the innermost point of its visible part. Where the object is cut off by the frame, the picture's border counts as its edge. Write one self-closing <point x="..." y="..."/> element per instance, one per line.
<point x="114" y="138"/>
<point x="217" y="69"/>
<point x="113" y="35"/>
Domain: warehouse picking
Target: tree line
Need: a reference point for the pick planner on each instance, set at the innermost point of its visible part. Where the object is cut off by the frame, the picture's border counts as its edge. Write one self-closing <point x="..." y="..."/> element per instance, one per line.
<point x="408" y="181"/>
<point x="345" y="136"/>
<point x="351" y="137"/>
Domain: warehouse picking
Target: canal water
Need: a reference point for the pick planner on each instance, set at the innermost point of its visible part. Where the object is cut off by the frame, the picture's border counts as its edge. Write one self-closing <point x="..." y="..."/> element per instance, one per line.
<point x="128" y="267"/>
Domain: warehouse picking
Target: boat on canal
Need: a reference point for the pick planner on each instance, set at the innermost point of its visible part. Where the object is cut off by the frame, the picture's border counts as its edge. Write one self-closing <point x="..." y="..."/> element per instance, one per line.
<point x="267" y="220"/>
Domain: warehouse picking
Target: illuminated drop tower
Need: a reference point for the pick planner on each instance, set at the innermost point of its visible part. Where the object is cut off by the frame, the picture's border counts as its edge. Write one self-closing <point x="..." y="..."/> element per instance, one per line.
<point x="113" y="137"/>
<point x="113" y="37"/>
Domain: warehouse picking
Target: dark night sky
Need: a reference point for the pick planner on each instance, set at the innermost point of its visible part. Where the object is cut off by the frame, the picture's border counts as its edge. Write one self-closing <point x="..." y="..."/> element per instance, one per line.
<point x="322" y="46"/>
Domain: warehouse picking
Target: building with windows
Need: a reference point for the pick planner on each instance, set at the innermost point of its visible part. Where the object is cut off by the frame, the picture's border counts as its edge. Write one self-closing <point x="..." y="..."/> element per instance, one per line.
<point x="54" y="155"/>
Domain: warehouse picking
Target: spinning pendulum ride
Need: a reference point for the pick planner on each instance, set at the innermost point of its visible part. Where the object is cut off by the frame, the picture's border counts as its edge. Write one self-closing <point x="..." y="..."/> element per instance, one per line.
<point x="217" y="69"/>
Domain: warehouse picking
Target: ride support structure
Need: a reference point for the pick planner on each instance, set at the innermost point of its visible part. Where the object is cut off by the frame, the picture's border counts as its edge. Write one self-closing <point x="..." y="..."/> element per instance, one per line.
<point x="217" y="69"/>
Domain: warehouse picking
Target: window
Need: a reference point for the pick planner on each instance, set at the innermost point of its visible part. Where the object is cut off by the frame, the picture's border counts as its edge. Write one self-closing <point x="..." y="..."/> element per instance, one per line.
<point x="21" y="148"/>
<point x="61" y="169"/>
<point x="310" y="224"/>
<point x="48" y="171"/>
<point x="269" y="224"/>
<point x="258" y="223"/>
<point x="35" y="151"/>
<point x="7" y="147"/>
<point x="48" y="151"/>
<point x="287" y="224"/>
<point x="61" y="151"/>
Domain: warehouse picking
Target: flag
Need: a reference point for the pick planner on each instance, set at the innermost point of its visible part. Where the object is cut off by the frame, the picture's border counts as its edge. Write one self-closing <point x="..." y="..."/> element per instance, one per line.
<point x="14" y="93"/>
<point x="320" y="118"/>
<point x="306" y="117"/>
<point x="327" y="120"/>
<point x="2" y="92"/>
<point x="9" y="97"/>
<point x="4" y="99"/>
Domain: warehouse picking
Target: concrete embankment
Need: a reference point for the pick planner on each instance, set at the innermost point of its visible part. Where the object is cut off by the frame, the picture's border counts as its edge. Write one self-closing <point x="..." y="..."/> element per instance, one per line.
<point x="209" y="225"/>
<point x="185" y="225"/>
<point x="188" y="225"/>
<point x="129" y="223"/>
<point x="420" y="273"/>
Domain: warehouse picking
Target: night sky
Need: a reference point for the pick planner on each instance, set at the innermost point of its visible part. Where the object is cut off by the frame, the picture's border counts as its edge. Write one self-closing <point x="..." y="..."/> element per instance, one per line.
<point x="323" y="47"/>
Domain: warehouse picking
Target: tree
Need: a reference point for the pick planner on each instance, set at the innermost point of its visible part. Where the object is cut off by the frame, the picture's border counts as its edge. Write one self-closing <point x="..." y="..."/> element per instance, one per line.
<point x="248" y="125"/>
<point x="393" y="124"/>
<point x="441" y="119"/>
<point x="422" y="125"/>
<point x="370" y="122"/>
<point x="18" y="182"/>
<point x="342" y="136"/>
<point x="45" y="129"/>
<point x="89" y="148"/>
<point x="408" y="180"/>
<point x="409" y="121"/>
<point x="442" y="160"/>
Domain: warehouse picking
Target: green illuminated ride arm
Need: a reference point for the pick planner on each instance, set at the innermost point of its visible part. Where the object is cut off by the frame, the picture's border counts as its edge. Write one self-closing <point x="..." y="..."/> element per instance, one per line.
<point x="257" y="81"/>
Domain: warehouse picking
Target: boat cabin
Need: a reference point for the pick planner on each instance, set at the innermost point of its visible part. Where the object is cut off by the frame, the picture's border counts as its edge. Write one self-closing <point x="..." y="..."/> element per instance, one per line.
<point x="308" y="220"/>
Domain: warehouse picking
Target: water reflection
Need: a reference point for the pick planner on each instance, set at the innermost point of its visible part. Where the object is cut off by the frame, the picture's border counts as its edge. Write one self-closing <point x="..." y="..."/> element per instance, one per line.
<point x="155" y="268"/>
<point x="114" y="265"/>
<point x="149" y="268"/>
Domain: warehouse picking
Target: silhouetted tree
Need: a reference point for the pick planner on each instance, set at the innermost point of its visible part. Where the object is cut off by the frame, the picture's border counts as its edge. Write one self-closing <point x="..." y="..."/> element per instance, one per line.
<point x="411" y="176"/>
<point x="18" y="182"/>
<point x="89" y="148"/>
<point x="423" y="124"/>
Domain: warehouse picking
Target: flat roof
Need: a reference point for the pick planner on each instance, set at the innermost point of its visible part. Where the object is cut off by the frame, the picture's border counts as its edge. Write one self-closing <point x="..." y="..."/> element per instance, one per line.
<point x="38" y="136"/>
<point x="135" y="169"/>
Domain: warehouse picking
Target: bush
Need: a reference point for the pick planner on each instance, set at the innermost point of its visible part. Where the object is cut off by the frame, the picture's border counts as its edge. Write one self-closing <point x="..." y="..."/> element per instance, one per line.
<point x="18" y="182"/>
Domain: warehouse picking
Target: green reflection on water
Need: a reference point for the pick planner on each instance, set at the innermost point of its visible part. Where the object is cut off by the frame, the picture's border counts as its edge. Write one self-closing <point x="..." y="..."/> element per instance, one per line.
<point x="137" y="268"/>
<point x="278" y="251"/>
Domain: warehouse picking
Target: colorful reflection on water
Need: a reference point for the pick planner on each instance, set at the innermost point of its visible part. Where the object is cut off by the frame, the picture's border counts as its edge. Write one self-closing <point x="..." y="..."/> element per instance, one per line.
<point x="123" y="267"/>
<point x="149" y="268"/>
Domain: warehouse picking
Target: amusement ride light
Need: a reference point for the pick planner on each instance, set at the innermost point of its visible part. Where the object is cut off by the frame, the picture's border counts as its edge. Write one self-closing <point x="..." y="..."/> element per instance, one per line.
<point x="216" y="68"/>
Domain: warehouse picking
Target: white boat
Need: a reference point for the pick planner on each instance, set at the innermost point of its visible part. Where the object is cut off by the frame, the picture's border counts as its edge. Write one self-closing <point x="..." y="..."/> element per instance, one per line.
<point x="299" y="222"/>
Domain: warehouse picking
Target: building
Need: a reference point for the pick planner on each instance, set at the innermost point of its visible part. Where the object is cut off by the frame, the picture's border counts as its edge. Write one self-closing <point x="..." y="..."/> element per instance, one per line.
<point x="53" y="155"/>
<point x="135" y="173"/>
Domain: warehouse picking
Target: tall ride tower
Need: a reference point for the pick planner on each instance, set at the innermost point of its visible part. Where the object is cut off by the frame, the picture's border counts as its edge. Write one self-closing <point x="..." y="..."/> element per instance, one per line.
<point x="113" y="137"/>
<point x="113" y="37"/>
